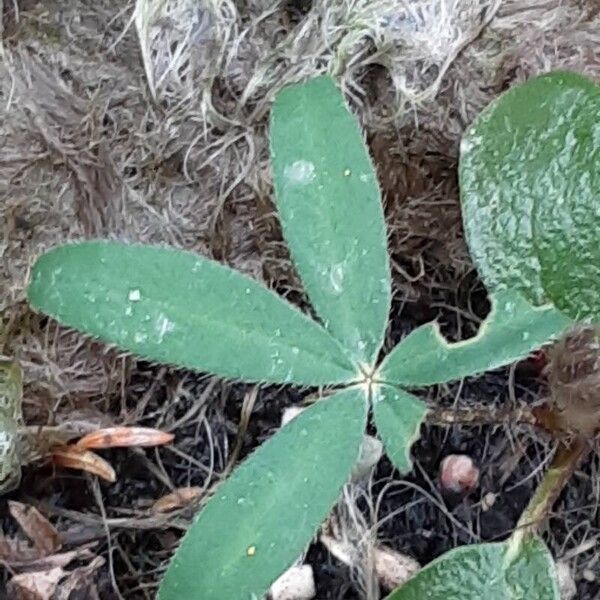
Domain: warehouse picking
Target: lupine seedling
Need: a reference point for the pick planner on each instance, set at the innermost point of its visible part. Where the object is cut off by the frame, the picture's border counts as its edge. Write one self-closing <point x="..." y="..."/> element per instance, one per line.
<point x="180" y="308"/>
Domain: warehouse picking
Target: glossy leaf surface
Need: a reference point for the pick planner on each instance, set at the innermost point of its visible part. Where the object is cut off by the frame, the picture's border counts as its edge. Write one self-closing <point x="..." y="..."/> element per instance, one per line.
<point x="485" y="572"/>
<point x="180" y="308"/>
<point x="330" y="209"/>
<point x="530" y="186"/>
<point x="259" y="520"/>
<point x="512" y="330"/>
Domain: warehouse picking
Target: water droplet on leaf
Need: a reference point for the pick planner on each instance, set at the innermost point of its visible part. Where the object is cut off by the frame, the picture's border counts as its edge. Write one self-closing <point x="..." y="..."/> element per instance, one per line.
<point x="300" y="172"/>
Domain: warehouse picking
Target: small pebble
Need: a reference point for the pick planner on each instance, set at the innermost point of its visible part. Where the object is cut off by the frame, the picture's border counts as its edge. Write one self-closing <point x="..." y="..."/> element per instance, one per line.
<point x="488" y="501"/>
<point x="458" y="474"/>
<point x="298" y="583"/>
<point x="589" y="575"/>
<point x="393" y="568"/>
<point x="291" y="412"/>
<point x="371" y="450"/>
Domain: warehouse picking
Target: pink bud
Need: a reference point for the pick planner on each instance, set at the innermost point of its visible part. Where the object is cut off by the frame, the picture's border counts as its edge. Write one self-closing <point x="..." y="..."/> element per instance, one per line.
<point x="458" y="474"/>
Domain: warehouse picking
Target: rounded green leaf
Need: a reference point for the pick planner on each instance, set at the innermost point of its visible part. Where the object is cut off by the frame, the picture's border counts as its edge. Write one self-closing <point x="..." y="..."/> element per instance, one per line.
<point x="398" y="416"/>
<point x="530" y="189"/>
<point x="260" y="520"/>
<point x="331" y="213"/>
<point x="485" y="572"/>
<point x="511" y="331"/>
<point x="180" y="308"/>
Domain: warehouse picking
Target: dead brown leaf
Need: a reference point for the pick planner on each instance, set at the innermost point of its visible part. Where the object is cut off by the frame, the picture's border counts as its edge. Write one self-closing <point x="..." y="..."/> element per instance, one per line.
<point x="14" y="550"/>
<point x="124" y="437"/>
<point x="179" y="498"/>
<point x="36" y="527"/>
<point x="73" y="457"/>
<point x="39" y="585"/>
<point x="61" y="559"/>
<point x="79" y="580"/>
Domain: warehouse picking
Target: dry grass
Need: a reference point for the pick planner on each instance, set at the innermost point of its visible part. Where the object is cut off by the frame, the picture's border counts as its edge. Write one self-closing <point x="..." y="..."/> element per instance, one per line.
<point x="147" y="121"/>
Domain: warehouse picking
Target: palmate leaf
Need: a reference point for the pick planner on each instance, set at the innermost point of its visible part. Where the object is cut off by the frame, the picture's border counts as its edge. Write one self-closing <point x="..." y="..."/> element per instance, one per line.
<point x="485" y="571"/>
<point x="398" y="416"/>
<point x="260" y="520"/>
<point x="530" y="186"/>
<point x="329" y="204"/>
<point x="511" y="331"/>
<point x="180" y="308"/>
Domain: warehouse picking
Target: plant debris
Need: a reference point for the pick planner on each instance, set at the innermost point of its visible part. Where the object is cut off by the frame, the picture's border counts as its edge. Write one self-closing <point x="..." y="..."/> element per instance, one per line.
<point x="124" y="437"/>
<point x="36" y="527"/>
<point x="180" y="498"/>
<point x="74" y="457"/>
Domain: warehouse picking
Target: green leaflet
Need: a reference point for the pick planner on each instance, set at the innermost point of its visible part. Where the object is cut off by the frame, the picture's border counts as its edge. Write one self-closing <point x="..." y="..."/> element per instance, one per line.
<point x="512" y="330"/>
<point x="330" y="209"/>
<point x="11" y="394"/>
<point x="485" y="571"/>
<point x="398" y="416"/>
<point x="180" y="308"/>
<point x="260" y="520"/>
<point x="530" y="186"/>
